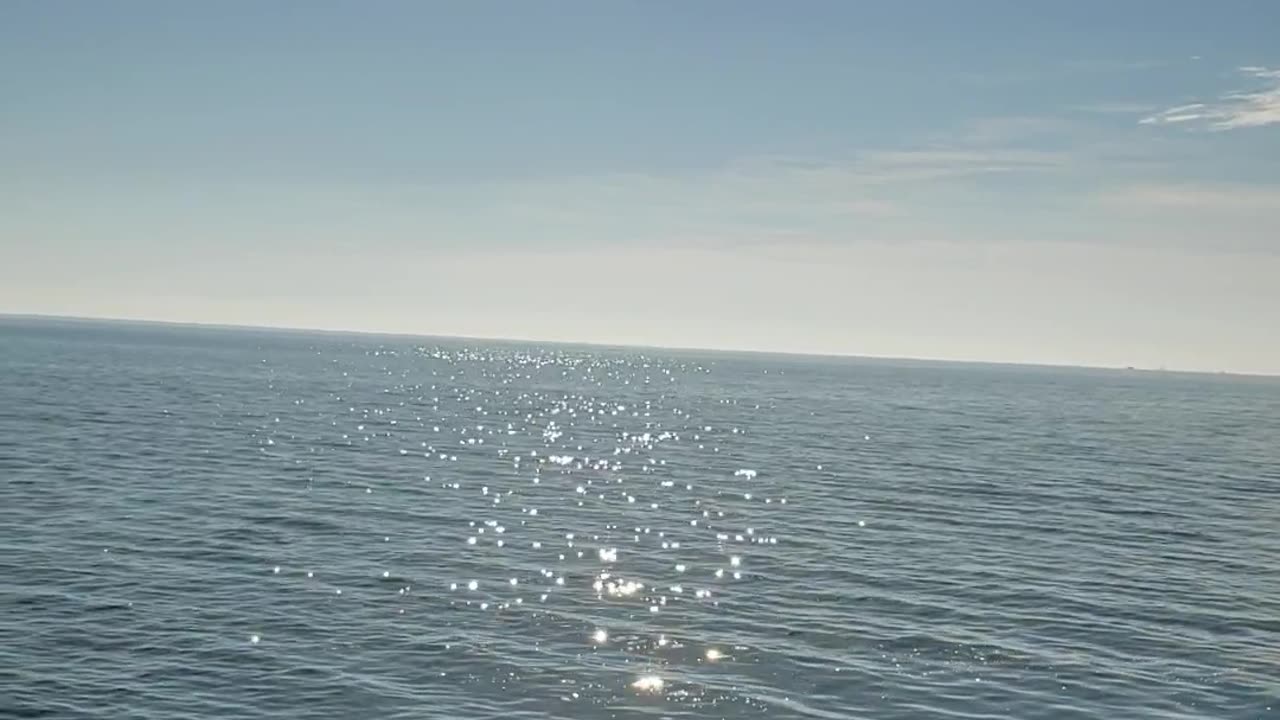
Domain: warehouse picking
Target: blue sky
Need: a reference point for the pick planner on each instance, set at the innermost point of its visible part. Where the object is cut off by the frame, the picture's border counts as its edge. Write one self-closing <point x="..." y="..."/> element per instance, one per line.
<point x="1085" y="182"/>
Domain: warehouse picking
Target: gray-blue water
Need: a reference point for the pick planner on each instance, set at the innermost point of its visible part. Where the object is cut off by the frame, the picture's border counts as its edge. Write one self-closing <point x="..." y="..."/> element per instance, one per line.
<point x="202" y="523"/>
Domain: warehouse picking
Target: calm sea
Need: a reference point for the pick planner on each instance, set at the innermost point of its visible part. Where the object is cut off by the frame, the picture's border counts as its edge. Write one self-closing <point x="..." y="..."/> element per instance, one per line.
<point x="207" y="523"/>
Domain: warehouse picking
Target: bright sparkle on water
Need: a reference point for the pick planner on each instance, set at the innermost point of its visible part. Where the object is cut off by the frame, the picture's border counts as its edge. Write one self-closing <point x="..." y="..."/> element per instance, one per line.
<point x="648" y="683"/>
<point x="645" y="532"/>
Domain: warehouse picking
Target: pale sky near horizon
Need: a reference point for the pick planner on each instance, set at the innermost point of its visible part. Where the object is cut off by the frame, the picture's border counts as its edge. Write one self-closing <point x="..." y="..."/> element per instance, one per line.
<point x="1080" y="182"/>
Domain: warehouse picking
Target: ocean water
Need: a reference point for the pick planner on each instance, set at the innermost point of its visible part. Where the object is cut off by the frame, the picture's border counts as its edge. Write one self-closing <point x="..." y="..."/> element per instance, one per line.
<point x="206" y="523"/>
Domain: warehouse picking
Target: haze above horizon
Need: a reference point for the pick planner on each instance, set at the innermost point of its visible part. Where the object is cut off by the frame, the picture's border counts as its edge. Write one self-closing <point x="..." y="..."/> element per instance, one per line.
<point x="81" y="320"/>
<point x="1081" y="183"/>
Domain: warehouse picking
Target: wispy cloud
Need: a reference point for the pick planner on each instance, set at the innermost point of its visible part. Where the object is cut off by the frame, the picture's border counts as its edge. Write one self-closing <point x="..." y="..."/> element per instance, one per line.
<point x="894" y="166"/>
<point x="1215" y="198"/>
<point x="1116" y="65"/>
<point x="1216" y="217"/>
<point x="1037" y="73"/>
<point x="870" y="196"/>
<point x="858" y="195"/>
<point x="1254" y="108"/>
<point x="1115" y="108"/>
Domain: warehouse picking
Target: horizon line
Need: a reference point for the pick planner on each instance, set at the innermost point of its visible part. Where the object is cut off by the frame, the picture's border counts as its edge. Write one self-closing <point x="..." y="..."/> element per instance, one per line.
<point x="624" y="346"/>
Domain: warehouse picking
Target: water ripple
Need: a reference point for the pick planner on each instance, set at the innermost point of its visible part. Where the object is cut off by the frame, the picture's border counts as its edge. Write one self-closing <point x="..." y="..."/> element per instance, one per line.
<point x="213" y="523"/>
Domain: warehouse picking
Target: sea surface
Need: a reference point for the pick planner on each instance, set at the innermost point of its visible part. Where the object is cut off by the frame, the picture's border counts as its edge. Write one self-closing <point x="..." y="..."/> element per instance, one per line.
<point x="217" y="523"/>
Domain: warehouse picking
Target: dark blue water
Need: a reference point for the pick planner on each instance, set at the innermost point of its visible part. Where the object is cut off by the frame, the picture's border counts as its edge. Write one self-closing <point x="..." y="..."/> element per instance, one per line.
<point x="200" y="523"/>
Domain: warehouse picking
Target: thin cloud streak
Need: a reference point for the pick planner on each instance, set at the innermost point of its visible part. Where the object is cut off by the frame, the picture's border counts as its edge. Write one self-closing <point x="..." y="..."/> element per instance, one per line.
<point x="1197" y="198"/>
<point x="1115" y="108"/>
<point x="1232" y="111"/>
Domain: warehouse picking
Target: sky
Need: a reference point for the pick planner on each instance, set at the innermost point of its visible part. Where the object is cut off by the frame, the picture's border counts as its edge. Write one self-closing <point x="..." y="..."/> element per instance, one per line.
<point x="1087" y="182"/>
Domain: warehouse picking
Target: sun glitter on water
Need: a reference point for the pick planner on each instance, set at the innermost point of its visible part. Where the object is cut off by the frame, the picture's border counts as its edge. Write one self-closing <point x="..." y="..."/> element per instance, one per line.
<point x="648" y="683"/>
